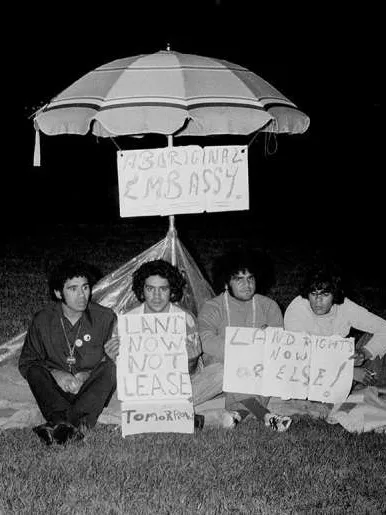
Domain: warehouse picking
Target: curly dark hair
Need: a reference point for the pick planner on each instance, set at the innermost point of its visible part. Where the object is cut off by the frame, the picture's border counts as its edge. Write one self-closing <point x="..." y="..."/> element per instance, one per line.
<point x="324" y="277"/>
<point x="165" y="270"/>
<point x="61" y="272"/>
<point x="256" y="262"/>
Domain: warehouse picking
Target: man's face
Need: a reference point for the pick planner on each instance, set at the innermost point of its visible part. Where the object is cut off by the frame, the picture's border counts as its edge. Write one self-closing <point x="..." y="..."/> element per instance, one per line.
<point x="243" y="285"/>
<point x="75" y="294"/>
<point x="157" y="294"/>
<point x="321" y="301"/>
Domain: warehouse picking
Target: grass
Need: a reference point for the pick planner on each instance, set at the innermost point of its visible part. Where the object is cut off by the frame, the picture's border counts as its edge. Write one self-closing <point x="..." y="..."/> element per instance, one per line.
<point x="314" y="468"/>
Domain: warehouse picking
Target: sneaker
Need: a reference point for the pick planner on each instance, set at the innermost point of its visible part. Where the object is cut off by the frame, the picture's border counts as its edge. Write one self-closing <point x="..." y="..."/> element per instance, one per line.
<point x="230" y="419"/>
<point x="278" y="423"/>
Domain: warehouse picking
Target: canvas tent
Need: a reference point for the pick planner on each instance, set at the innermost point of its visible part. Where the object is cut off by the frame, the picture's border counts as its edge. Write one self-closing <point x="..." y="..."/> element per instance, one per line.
<point x="114" y="290"/>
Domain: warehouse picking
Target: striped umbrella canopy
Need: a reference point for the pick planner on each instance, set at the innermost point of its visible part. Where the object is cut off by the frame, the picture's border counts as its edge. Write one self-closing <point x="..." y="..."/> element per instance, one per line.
<point x="173" y="94"/>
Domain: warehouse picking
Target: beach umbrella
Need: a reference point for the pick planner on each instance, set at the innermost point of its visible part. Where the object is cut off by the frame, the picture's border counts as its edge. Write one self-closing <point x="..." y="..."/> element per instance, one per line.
<point x="172" y="94"/>
<point x="169" y="93"/>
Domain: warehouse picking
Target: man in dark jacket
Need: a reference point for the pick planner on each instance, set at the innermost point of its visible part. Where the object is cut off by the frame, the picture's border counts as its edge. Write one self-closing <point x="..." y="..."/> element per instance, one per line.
<point x="63" y="358"/>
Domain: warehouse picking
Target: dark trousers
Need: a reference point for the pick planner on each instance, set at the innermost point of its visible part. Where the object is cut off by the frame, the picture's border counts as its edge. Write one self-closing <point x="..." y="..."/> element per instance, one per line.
<point x="245" y="404"/>
<point x="84" y="407"/>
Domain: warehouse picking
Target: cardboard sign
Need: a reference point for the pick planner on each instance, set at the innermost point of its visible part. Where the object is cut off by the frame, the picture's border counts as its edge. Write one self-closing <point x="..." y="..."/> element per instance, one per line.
<point x="290" y="365"/>
<point x="186" y="179"/>
<point x="160" y="417"/>
<point x="152" y="373"/>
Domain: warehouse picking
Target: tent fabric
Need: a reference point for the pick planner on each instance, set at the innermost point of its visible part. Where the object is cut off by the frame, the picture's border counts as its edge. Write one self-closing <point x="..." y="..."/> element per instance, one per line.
<point x="362" y="411"/>
<point x="114" y="290"/>
<point x="173" y="94"/>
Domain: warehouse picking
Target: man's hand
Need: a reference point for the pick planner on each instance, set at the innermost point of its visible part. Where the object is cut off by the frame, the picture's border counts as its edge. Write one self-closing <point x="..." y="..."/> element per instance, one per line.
<point x="66" y="381"/>
<point x="82" y="377"/>
<point x="364" y="376"/>
<point x="112" y="347"/>
<point x="360" y="357"/>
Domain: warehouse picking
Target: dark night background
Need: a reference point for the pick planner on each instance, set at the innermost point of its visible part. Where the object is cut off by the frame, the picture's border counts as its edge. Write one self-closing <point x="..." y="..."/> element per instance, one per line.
<point x="326" y="182"/>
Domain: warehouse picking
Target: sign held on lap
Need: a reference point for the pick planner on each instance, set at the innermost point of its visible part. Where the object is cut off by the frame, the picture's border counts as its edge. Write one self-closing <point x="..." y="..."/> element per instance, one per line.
<point x="286" y="364"/>
<point x="153" y="381"/>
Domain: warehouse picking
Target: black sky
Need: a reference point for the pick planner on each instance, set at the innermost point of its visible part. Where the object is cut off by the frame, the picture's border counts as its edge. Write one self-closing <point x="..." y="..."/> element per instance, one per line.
<point x="328" y="62"/>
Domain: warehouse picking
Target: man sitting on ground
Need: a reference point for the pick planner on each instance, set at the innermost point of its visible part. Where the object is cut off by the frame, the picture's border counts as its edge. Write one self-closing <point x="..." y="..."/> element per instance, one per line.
<point x="63" y="359"/>
<point x="239" y="305"/>
<point x="323" y="308"/>
<point x="159" y="286"/>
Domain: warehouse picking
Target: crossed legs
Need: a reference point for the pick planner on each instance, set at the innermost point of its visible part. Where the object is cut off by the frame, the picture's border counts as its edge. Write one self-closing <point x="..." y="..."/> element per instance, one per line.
<point x="85" y="407"/>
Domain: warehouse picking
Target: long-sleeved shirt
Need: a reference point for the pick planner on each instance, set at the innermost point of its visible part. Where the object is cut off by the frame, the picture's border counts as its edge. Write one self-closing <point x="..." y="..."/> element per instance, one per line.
<point x="300" y="317"/>
<point x="46" y="344"/>
<point x="215" y="316"/>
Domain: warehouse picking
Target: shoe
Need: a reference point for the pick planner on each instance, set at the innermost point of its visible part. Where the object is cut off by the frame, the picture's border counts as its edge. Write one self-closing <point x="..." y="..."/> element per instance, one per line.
<point x="278" y="423"/>
<point x="63" y="432"/>
<point x="230" y="419"/>
<point x="199" y="421"/>
<point x="45" y="433"/>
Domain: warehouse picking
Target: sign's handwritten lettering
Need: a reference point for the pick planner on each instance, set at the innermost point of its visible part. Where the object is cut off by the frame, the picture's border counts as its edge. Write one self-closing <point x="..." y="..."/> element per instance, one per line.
<point x="287" y="364"/>
<point x="152" y="373"/>
<point x="183" y="180"/>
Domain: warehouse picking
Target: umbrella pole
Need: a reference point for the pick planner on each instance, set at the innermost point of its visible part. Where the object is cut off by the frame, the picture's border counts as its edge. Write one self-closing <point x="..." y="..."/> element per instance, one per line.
<point x="172" y="230"/>
<point x="172" y="236"/>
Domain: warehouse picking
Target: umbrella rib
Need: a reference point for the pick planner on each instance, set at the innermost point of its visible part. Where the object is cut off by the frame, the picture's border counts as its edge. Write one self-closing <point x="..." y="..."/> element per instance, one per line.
<point x="177" y="67"/>
<point x="192" y="103"/>
<point x="231" y="99"/>
<point x="188" y="107"/>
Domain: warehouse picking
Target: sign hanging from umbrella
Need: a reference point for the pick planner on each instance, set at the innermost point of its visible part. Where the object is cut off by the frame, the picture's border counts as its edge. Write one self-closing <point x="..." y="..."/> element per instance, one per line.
<point x="169" y="93"/>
